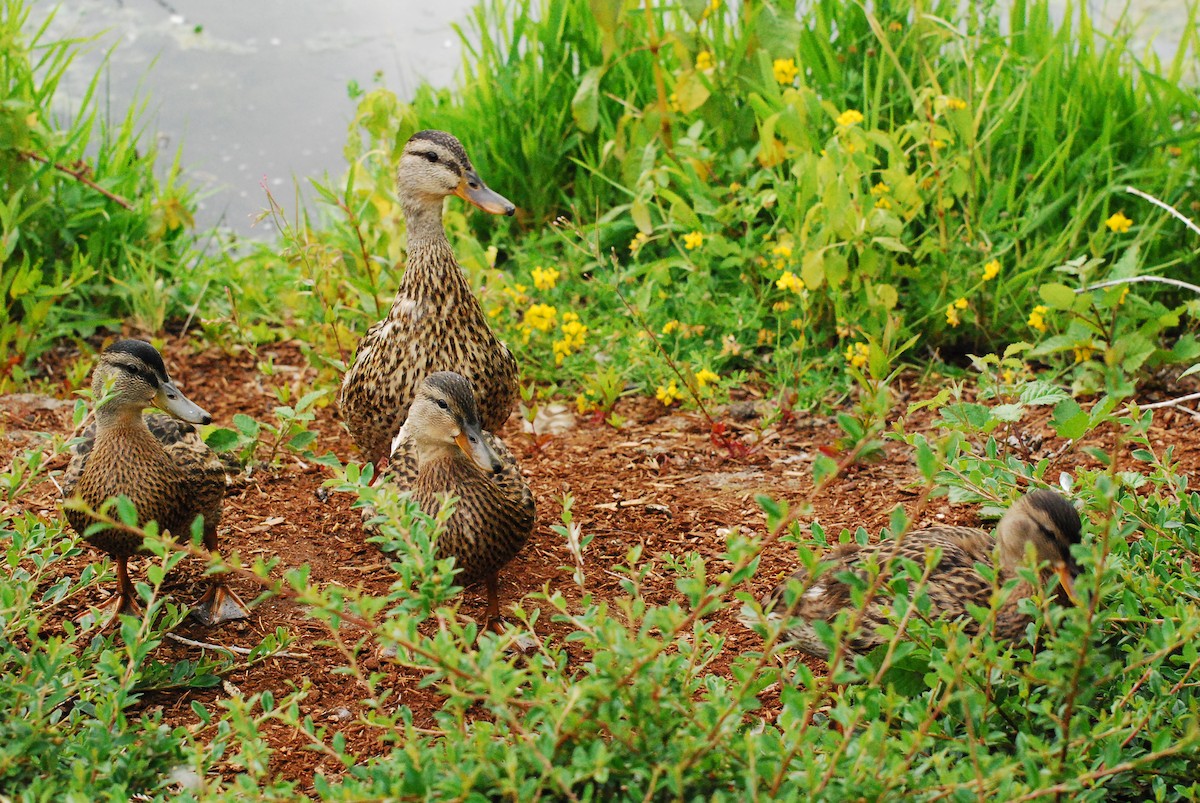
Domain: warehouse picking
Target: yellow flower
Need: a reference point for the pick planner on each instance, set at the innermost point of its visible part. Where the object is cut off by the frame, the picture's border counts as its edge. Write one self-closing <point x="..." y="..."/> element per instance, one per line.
<point x="1037" y="319"/>
<point x="781" y="306"/>
<point x="765" y="337"/>
<point x="735" y="186"/>
<point x="1008" y="376"/>
<point x="880" y="189"/>
<point x="785" y="70"/>
<point x="704" y="60"/>
<point x="545" y="278"/>
<point x="883" y="203"/>
<point x="952" y="311"/>
<point x="991" y="270"/>
<point x="639" y="239"/>
<point x="1124" y="292"/>
<point x="937" y="144"/>
<point x="894" y="26"/>
<point x="782" y="250"/>
<point x="797" y="323"/>
<point x="713" y="5"/>
<point x="849" y="117"/>
<point x="692" y="240"/>
<point x="1084" y="351"/>
<point x="668" y="394"/>
<point x="1118" y="223"/>
<point x="669" y="327"/>
<point x="673" y="102"/>
<point x="706" y="377"/>
<point x="857" y="353"/>
<point x="540" y="317"/>
<point x="790" y="281"/>
<point x="691" y="329"/>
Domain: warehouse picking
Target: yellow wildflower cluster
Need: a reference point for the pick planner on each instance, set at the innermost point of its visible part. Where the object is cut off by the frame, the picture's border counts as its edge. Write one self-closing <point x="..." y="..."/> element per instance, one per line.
<point x="943" y="102"/>
<point x="517" y="293"/>
<point x="781" y="306"/>
<point x="1084" y="351"/>
<point x="785" y="70"/>
<point x="706" y="377"/>
<point x="765" y="337"/>
<point x="668" y="394"/>
<point x="883" y="203"/>
<point x="670" y="326"/>
<point x="1037" y="318"/>
<point x="880" y="189"/>
<point x="639" y="239"/>
<point x="545" y="278"/>
<point x="857" y="354"/>
<point x="790" y="281"/>
<point x="540" y="317"/>
<point x="693" y="240"/>
<point x="952" y="311"/>
<point x="573" y="334"/>
<point x="1118" y="223"/>
<point x="704" y="61"/>
<point x="991" y="270"/>
<point x="849" y="117"/>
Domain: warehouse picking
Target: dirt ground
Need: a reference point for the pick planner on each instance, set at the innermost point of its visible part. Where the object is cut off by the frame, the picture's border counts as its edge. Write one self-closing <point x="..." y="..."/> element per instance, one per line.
<point x="658" y="482"/>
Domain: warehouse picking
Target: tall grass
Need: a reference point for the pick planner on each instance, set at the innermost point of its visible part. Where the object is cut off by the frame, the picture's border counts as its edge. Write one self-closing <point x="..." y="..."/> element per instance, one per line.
<point x="90" y="235"/>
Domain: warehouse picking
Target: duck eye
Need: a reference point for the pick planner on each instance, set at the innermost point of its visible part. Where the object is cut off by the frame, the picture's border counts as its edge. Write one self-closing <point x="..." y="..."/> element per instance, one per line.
<point x="442" y="403"/>
<point x="432" y="157"/>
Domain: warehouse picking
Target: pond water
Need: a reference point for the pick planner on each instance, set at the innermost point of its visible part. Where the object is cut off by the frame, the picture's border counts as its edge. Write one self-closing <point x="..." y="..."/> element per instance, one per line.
<point x="255" y="91"/>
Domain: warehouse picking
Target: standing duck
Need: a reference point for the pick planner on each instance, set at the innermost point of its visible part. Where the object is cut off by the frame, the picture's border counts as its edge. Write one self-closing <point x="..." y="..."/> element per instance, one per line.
<point x="435" y="322"/>
<point x="158" y="462"/>
<point x="1042" y="519"/>
<point x="443" y="451"/>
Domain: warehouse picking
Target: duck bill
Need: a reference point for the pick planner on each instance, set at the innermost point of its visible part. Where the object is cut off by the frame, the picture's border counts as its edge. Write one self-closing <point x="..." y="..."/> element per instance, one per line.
<point x="169" y="398"/>
<point x="1067" y="582"/>
<point x="480" y="452"/>
<point x="484" y="196"/>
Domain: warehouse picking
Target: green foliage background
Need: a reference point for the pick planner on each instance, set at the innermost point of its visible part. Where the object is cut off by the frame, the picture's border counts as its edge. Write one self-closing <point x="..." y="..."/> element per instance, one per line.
<point x="807" y="197"/>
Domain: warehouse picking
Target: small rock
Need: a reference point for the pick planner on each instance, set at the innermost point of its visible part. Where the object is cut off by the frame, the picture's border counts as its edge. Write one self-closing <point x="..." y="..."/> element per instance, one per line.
<point x="743" y="410"/>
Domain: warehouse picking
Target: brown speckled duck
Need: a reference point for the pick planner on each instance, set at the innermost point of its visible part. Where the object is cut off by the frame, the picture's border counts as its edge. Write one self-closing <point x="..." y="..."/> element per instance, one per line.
<point x="1043" y="519"/>
<point x="443" y="450"/>
<point x="158" y="461"/>
<point x="435" y="322"/>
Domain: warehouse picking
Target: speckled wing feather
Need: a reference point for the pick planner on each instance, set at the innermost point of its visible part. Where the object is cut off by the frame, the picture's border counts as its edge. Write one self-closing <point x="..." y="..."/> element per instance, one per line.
<point x="186" y="480"/>
<point x="953" y="584"/>
<point x="435" y="324"/>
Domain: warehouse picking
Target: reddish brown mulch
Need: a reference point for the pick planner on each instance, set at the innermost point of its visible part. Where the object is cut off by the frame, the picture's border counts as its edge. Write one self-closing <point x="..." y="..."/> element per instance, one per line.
<point x="659" y="483"/>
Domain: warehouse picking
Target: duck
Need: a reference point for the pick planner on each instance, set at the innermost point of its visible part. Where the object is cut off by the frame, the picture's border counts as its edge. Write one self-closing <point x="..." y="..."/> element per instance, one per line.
<point x="1042" y="520"/>
<point x="158" y="461"/>
<point x="435" y="322"/>
<point x="443" y="450"/>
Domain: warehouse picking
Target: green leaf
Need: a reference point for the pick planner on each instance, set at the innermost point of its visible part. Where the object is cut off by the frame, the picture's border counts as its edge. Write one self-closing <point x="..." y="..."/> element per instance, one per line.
<point x="824" y="468"/>
<point x="1009" y="413"/>
<point x="927" y="461"/>
<point x="1069" y="420"/>
<point x="1041" y="392"/>
<point x="221" y="440"/>
<point x="246" y="425"/>
<point x="585" y="106"/>
<point x="1057" y="296"/>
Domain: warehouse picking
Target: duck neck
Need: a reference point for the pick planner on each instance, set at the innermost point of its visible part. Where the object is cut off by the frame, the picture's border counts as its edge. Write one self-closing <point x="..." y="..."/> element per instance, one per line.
<point x="121" y="422"/>
<point x="436" y="455"/>
<point x="431" y="268"/>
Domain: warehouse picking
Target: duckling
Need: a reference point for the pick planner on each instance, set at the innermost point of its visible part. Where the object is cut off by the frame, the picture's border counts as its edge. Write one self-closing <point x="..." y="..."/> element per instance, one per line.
<point x="435" y="322"/>
<point x="1043" y="520"/>
<point x="442" y="450"/>
<point x="158" y="461"/>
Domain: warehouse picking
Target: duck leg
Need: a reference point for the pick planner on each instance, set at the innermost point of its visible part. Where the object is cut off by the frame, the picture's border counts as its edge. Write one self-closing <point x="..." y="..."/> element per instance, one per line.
<point x="219" y="603"/>
<point x="122" y="603"/>
<point x="495" y="622"/>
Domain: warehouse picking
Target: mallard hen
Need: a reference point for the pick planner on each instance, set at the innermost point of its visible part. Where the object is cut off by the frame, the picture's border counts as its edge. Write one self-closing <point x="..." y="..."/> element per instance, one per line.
<point x="435" y="322"/>
<point x="443" y="450"/>
<point x="1043" y="520"/>
<point x="158" y="461"/>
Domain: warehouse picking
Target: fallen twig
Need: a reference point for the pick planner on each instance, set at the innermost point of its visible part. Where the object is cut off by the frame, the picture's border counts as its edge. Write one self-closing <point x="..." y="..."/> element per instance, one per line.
<point x="224" y="648"/>
<point x="80" y="175"/>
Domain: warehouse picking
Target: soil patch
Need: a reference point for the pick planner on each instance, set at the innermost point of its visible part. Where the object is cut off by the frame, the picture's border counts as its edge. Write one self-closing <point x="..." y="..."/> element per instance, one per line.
<point x="659" y="483"/>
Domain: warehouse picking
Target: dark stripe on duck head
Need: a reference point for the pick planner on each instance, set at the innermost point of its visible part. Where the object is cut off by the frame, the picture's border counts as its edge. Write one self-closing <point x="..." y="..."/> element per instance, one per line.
<point x="458" y="389"/>
<point x="447" y="141"/>
<point x="145" y="354"/>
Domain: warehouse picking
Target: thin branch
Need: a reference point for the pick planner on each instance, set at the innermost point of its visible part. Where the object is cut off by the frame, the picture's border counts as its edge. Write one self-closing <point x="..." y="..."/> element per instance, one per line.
<point x="206" y="645"/>
<point x="1169" y="402"/>
<point x="1163" y="205"/>
<point x="1134" y="279"/>
<point x="80" y="175"/>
